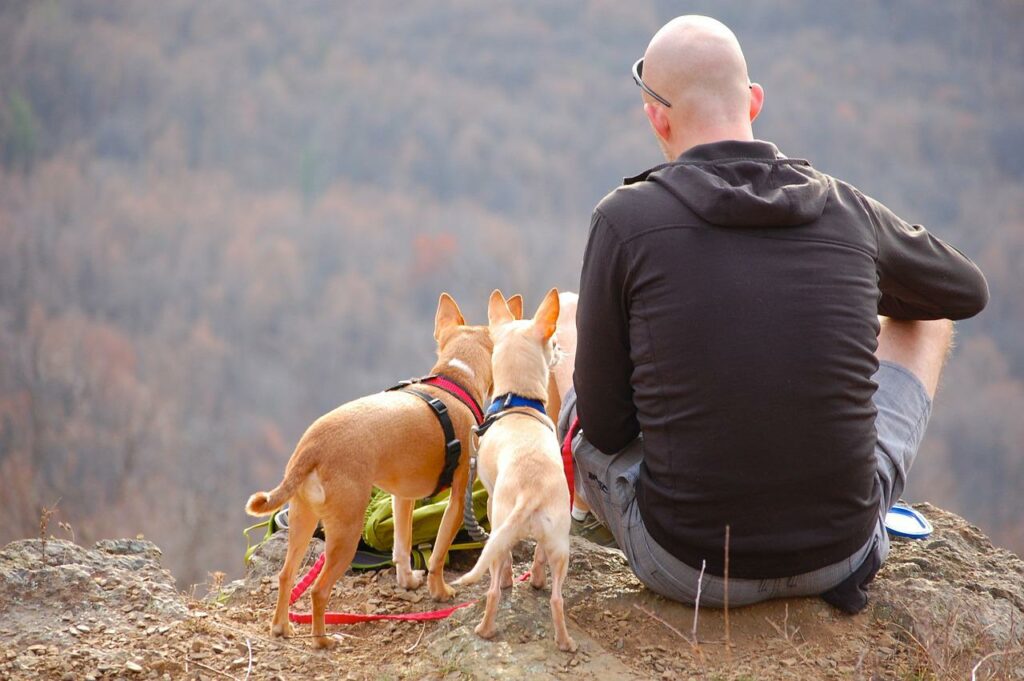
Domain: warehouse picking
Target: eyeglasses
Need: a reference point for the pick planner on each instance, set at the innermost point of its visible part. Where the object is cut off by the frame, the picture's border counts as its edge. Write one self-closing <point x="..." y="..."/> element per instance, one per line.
<point x="638" y="69"/>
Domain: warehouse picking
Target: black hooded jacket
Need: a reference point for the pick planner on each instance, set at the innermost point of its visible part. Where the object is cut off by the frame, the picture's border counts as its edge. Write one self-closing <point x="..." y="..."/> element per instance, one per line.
<point x="728" y="311"/>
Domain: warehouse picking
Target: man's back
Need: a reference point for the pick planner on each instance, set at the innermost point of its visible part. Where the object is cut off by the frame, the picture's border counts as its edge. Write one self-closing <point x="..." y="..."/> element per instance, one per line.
<point x="730" y="299"/>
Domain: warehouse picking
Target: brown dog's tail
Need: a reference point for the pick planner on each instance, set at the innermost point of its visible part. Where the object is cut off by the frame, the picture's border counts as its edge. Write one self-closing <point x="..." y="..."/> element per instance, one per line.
<point x="265" y="503"/>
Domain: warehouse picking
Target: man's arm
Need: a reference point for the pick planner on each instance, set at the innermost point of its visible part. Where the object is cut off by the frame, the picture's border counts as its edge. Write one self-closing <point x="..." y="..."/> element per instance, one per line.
<point x="604" y="396"/>
<point x="921" y="276"/>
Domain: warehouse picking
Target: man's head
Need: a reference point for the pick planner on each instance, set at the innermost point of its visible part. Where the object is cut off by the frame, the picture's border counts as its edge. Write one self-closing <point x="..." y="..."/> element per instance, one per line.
<point x="695" y="64"/>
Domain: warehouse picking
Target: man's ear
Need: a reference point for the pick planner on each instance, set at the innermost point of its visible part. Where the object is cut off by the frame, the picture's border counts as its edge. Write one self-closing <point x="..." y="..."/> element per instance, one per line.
<point x="497" y="309"/>
<point x="448" y="314"/>
<point x="546" y="319"/>
<point x="756" y="100"/>
<point x="658" y="118"/>
<point x="515" y="305"/>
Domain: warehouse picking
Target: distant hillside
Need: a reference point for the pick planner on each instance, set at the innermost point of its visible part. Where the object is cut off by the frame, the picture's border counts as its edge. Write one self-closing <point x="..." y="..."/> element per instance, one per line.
<point x="219" y="220"/>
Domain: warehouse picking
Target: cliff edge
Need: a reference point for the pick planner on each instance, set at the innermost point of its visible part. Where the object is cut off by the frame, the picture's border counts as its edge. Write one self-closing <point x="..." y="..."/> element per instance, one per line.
<point x="946" y="607"/>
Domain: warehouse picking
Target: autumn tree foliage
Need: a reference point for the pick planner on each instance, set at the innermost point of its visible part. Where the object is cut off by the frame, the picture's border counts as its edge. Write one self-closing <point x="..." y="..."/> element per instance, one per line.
<point x="220" y="220"/>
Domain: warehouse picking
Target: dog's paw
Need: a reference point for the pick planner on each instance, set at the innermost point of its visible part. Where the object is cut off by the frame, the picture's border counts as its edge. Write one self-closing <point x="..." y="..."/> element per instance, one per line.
<point x="537" y="579"/>
<point x="441" y="592"/>
<point x="568" y="645"/>
<point x="324" y="642"/>
<point x="411" y="579"/>
<point x="485" y="632"/>
<point x="281" y="630"/>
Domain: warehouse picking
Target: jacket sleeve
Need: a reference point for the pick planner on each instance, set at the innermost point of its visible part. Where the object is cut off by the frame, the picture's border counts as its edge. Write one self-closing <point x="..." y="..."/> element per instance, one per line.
<point x="604" y="395"/>
<point x="919" y="275"/>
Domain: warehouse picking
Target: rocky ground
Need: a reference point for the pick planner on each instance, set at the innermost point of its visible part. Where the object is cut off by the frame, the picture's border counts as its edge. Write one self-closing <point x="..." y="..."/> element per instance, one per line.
<point x="941" y="608"/>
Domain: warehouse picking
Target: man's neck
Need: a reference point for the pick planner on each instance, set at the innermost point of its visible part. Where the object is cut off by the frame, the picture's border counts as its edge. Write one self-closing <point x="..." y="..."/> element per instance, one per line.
<point x="707" y="136"/>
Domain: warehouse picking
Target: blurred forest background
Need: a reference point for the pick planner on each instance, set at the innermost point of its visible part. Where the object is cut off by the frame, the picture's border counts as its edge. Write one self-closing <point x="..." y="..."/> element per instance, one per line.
<point x="219" y="220"/>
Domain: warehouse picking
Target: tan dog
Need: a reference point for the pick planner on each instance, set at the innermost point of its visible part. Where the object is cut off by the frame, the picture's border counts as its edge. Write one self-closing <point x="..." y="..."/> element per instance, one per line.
<point x="392" y="440"/>
<point x="521" y="467"/>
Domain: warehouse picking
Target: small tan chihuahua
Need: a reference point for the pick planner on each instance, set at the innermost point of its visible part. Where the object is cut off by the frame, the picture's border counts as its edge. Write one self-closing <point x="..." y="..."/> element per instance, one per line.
<point x="392" y="440"/>
<point x="520" y="464"/>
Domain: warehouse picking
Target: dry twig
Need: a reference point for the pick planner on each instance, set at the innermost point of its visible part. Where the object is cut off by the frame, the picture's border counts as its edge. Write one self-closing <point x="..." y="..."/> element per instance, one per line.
<point x="974" y="670"/>
<point x="785" y="633"/>
<point x="44" y="521"/>
<point x="784" y="629"/>
<point x="922" y="647"/>
<point x="334" y="633"/>
<point x="248" y="671"/>
<point x="413" y="646"/>
<point x="725" y="587"/>
<point x="656" y="618"/>
<point x="696" y="603"/>
<point x="209" y="669"/>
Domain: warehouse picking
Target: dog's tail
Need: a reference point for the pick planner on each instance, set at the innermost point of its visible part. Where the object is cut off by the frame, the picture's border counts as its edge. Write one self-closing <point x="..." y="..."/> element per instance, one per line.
<point x="265" y="503"/>
<point x="500" y="543"/>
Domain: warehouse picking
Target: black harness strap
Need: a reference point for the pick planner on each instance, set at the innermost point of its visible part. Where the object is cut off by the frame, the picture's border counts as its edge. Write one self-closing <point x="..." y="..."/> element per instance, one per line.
<point x="452" y="446"/>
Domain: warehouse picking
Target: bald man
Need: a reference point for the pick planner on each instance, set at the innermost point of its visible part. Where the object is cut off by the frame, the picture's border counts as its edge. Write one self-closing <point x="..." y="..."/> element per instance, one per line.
<point x="759" y="345"/>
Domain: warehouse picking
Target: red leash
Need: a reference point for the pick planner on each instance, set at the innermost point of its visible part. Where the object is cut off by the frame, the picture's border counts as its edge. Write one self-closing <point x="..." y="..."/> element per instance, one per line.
<point x="570" y="477"/>
<point x="352" y="618"/>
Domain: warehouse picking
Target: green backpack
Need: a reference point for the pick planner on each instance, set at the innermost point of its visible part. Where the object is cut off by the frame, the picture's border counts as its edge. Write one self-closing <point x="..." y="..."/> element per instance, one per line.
<point x="374" y="550"/>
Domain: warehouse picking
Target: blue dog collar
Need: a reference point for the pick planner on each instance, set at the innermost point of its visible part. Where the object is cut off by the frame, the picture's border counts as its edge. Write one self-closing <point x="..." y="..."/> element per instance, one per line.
<point x="509" y="400"/>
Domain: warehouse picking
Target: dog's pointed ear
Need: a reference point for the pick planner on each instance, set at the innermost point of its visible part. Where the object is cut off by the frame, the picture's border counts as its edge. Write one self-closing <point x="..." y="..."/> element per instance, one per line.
<point x="546" y="319"/>
<point x="448" y="314"/>
<point x="497" y="309"/>
<point x="515" y="305"/>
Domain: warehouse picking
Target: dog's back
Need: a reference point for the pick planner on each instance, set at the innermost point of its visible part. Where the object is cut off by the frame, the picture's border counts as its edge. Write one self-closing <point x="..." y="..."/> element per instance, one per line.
<point x="345" y="445"/>
<point x="527" y="460"/>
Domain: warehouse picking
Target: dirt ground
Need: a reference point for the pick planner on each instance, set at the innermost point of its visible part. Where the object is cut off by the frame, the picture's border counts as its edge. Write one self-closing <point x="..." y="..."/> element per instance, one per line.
<point x="940" y="609"/>
<point x="625" y="631"/>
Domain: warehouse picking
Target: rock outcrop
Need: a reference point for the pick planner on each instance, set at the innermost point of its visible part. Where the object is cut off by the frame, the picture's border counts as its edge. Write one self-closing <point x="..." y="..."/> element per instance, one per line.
<point x="944" y="607"/>
<point x="65" y="608"/>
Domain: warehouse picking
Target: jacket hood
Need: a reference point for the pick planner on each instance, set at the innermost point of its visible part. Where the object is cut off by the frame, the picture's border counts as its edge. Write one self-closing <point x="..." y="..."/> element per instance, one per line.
<point x="743" y="184"/>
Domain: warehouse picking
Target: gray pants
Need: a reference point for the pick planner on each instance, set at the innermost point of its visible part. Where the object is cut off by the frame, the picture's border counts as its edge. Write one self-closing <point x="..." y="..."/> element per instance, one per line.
<point x="609" y="485"/>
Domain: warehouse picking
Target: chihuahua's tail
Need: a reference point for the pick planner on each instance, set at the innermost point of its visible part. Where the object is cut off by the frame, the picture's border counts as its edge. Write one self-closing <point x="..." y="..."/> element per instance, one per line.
<point x="499" y="544"/>
<point x="265" y="503"/>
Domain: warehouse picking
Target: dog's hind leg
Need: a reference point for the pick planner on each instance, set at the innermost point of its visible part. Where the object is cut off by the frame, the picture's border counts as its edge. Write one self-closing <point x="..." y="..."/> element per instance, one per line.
<point x="559" y="561"/>
<point x="537" y="576"/>
<point x="342" y="528"/>
<point x="301" y="523"/>
<point x="404" y="574"/>
<point x="506" y="571"/>
<point x="486" y="628"/>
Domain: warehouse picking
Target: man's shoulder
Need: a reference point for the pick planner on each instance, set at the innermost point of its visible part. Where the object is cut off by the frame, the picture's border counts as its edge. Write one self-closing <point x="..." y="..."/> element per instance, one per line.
<point x="635" y="203"/>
